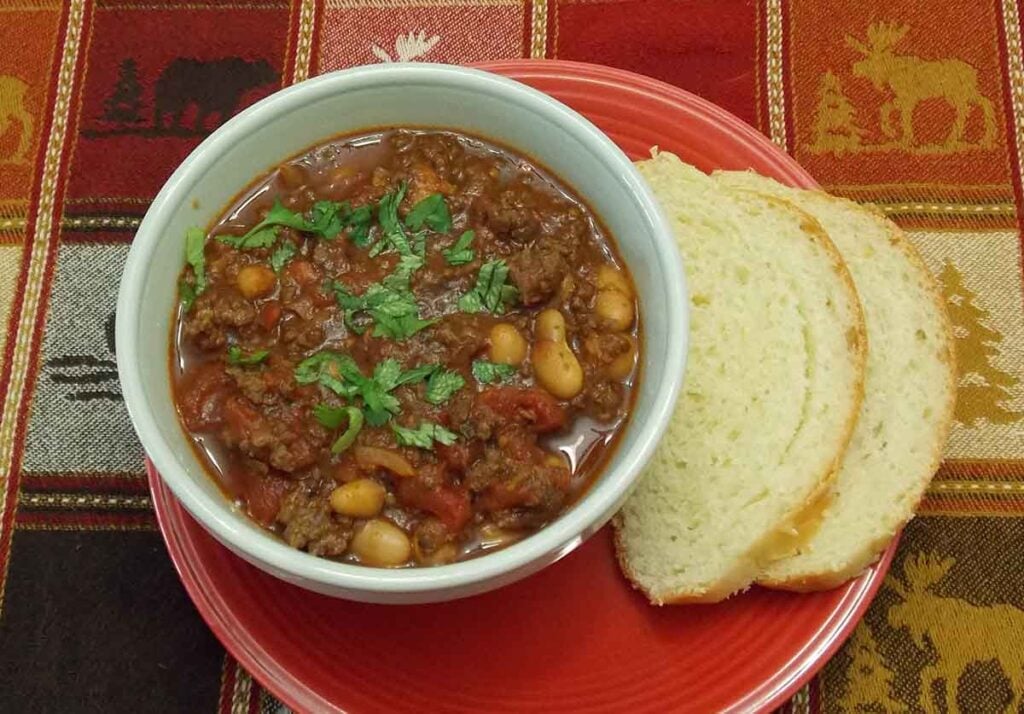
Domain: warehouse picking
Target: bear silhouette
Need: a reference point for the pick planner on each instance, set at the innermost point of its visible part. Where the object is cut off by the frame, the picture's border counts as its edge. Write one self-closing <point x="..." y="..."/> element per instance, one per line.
<point x="214" y="87"/>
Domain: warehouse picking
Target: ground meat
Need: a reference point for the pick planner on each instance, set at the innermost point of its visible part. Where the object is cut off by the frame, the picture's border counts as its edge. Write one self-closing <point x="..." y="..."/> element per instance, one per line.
<point x="508" y="221"/>
<point x="310" y="524"/>
<point x="300" y="333"/>
<point x="603" y="348"/>
<point x="502" y="484"/>
<point x="604" y="400"/>
<point x="330" y="255"/>
<point x="214" y="314"/>
<point x="430" y="535"/>
<point x="281" y="439"/>
<point x="538" y="272"/>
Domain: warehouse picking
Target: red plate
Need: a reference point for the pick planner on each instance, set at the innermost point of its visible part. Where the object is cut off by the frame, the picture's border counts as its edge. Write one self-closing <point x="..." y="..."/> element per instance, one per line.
<point x="574" y="637"/>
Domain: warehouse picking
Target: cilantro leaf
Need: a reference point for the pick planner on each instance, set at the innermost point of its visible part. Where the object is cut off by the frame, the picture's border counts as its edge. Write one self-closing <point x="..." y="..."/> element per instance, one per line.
<point x="331" y="369"/>
<point x="389" y="303"/>
<point x="424" y="435"/>
<point x="432" y="211"/>
<point x="387" y="373"/>
<point x="188" y="294"/>
<point x="195" y="241"/>
<point x="334" y="417"/>
<point x="284" y="253"/>
<point x="442" y="384"/>
<point x="392" y="233"/>
<point x="327" y="218"/>
<point x="236" y="356"/>
<point x="358" y="222"/>
<point x="417" y="374"/>
<point x="460" y="253"/>
<point x="490" y="372"/>
<point x="491" y="293"/>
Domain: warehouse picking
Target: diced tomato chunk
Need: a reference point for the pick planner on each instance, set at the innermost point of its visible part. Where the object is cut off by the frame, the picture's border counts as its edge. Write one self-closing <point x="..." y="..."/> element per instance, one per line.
<point x="270" y="314"/>
<point x="534" y="407"/>
<point x="240" y="417"/>
<point x="449" y="503"/>
<point x="264" y="498"/>
<point x="201" y="395"/>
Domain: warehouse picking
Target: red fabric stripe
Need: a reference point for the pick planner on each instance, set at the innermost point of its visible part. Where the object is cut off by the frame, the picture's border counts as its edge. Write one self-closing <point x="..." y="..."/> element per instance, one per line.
<point x="87" y="520"/>
<point x="99" y="483"/>
<point x="291" y="43"/>
<point x="7" y="517"/>
<point x="814" y="694"/>
<point x="227" y="685"/>
<point x="527" y="27"/>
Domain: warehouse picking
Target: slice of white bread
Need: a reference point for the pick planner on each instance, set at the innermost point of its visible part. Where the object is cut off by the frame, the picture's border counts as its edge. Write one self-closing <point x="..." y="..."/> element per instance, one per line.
<point x="908" y="395"/>
<point x="773" y="385"/>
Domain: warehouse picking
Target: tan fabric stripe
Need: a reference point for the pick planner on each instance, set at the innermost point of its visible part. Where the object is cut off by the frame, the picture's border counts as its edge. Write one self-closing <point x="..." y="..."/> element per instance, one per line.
<point x="89" y="527"/>
<point x="539" y="30"/>
<point x="986" y="487"/>
<point x="304" y="44"/>
<point x="773" y="73"/>
<point x="39" y="248"/>
<point x="83" y="500"/>
<point x="17" y="223"/>
<point x="243" y="692"/>
<point x="1015" y="65"/>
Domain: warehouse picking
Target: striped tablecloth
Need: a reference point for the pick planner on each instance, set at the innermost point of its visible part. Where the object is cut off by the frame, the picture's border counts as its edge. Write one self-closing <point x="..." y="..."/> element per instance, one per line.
<point x="916" y="106"/>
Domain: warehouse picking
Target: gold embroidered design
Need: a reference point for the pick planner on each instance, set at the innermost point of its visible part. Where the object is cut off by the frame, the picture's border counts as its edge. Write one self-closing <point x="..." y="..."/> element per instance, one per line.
<point x="906" y="81"/>
<point x="945" y="621"/>
<point x="13" y="111"/>
<point x="983" y="386"/>
<point x="868" y="681"/>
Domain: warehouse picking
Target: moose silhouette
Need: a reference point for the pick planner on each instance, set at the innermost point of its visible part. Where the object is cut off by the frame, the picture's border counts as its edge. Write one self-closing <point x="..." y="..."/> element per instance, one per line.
<point x="214" y="87"/>
<point x="944" y="620"/>
<point x="12" y="108"/>
<point x="912" y="80"/>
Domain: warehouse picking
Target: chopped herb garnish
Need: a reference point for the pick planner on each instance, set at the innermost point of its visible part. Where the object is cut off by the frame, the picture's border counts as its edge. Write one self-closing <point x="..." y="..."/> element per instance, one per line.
<point x="432" y="211"/>
<point x="416" y="374"/>
<point x="358" y="222"/>
<point x="491" y="293"/>
<point x="326" y="219"/>
<point x="424" y="435"/>
<point x="442" y="384"/>
<point x="393" y="235"/>
<point x="236" y="356"/>
<point x="334" y="417"/>
<point x="328" y="368"/>
<point x="460" y="253"/>
<point x="342" y="375"/>
<point x="390" y="303"/>
<point x="282" y="254"/>
<point x="195" y="241"/>
<point x="490" y="372"/>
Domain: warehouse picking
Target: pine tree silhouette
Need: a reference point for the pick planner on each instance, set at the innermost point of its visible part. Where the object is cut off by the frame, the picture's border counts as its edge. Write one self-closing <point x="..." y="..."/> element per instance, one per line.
<point x="123" y="104"/>
<point x="983" y="386"/>
<point x="835" y="128"/>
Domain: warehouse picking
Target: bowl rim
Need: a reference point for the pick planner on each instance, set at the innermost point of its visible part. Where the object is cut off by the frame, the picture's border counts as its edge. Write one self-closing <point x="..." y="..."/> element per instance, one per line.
<point x="558" y="537"/>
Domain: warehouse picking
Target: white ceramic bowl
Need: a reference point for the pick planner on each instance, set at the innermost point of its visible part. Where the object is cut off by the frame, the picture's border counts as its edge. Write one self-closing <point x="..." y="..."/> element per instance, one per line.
<point x="420" y="95"/>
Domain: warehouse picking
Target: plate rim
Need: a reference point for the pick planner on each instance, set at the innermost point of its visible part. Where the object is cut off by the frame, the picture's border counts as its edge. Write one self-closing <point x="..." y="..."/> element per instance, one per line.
<point x="808" y="658"/>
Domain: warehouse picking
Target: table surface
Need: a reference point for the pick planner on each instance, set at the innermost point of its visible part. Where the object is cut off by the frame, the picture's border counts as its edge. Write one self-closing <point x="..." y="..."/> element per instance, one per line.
<point x="922" y="116"/>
